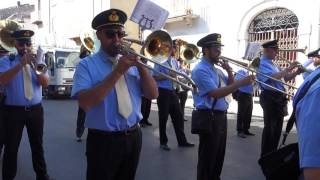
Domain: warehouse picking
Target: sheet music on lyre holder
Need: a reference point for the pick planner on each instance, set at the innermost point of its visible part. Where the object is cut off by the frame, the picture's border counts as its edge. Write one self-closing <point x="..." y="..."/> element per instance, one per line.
<point x="149" y="15"/>
<point x="252" y="51"/>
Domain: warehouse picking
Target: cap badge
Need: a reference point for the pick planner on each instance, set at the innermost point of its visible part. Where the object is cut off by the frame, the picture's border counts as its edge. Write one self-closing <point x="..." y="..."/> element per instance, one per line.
<point x="113" y="16"/>
<point x="27" y="34"/>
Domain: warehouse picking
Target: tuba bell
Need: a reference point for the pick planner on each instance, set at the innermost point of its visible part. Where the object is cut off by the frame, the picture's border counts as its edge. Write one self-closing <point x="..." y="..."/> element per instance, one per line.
<point x="7" y="27"/>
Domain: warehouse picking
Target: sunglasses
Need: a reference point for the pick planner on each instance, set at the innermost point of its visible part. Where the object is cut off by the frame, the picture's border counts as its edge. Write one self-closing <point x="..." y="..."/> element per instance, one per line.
<point x="112" y="34"/>
<point x="22" y="43"/>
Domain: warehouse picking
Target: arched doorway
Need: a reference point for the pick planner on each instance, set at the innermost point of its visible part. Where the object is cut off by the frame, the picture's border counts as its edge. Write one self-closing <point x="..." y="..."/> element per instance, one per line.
<point x="281" y="24"/>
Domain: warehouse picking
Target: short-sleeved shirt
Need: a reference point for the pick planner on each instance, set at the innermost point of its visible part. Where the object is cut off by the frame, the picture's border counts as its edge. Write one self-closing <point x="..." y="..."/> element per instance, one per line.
<point x="166" y="83"/>
<point x="14" y="89"/>
<point x="206" y="78"/>
<point x="105" y="116"/>
<point x="240" y="75"/>
<point x="268" y="68"/>
<point x="308" y="123"/>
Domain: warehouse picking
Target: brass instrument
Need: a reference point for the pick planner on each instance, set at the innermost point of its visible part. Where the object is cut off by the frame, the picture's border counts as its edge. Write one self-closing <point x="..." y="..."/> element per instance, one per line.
<point x="89" y="41"/>
<point x="250" y="68"/>
<point x="7" y="27"/>
<point x="39" y="68"/>
<point x="189" y="53"/>
<point x="157" y="48"/>
<point x="294" y="50"/>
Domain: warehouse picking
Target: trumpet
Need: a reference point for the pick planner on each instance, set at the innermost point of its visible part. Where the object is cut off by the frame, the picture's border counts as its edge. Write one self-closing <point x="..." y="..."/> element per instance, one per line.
<point x="39" y="68"/>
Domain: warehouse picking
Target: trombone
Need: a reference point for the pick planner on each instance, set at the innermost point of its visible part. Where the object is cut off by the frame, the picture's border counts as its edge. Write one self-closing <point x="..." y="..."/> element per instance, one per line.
<point x="249" y="68"/>
<point x="157" y="48"/>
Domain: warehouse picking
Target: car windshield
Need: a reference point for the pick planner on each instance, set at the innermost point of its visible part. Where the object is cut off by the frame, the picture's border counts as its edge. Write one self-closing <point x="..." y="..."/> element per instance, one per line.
<point x="67" y="59"/>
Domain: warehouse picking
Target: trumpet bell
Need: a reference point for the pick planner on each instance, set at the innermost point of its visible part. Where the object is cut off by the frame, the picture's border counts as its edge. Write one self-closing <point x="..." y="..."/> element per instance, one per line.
<point x="189" y="53"/>
<point x="158" y="46"/>
<point x="7" y="27"/>
<point x="41" y="69"/>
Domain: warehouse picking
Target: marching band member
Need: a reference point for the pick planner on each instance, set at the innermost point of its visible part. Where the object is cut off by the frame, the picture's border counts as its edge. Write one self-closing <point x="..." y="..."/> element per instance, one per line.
<point x="23" y="106"/>
<point x="168" y="103"/>
<point x="273" y="103"/>
<point x="3" y="53"/>
<point x="307" y="119"/>
<point x="245" y="105"/>
<point x="108" y="87"/>
<point x="145" y="111"/>
<point x="182" y="92"/>
<point x="213" y="87"/>
<point x="84" y="52"/>
<point x="313" y="58"/>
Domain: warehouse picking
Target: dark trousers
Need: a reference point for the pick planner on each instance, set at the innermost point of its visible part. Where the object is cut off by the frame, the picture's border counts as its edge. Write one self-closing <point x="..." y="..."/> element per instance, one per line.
<point x="183" y="95"/>
<point x="15" y="120"/>
<point x="80" y="122"/>
<point x="145" y="109"/>
<point x="113" y="157"/>
<point x="273" y="105"/>
<point x="168" y="103"/>
<point x="2" y="129"/>
<point x="245" y="106"/>
<point x="212" y="149"/>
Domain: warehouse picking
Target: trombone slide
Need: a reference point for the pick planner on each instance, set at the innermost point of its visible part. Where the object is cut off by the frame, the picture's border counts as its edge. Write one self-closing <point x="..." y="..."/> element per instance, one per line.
<point x="235" y="62"/>
<point x="274" y="88"/>
<point x="193" y="87"/>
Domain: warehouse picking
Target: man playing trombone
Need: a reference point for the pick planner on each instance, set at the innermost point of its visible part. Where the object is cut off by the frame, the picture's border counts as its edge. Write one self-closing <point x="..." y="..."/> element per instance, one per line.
<point x="108" y="86"/>
<point x="213" y="87"/>
<point x="273" y="103"/>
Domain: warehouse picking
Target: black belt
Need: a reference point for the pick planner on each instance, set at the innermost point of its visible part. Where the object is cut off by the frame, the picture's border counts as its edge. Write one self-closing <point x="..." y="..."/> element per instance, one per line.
<point x="25" y="108"/>
<point x="116" y="133"/>
<point x="245" y="94"/>
<point x="214" y="111"/>
<point x="273" y="93"/>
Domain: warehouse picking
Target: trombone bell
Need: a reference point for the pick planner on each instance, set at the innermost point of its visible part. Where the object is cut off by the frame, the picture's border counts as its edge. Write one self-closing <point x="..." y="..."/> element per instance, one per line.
<point x="158" y="46"/>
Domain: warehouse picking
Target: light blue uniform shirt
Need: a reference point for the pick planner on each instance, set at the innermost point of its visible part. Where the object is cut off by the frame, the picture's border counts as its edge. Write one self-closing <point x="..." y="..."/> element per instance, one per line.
<point x="206" y="78"/>
<point x="242" y="73"/>
<point x="308" y="124"/>
<point x="15" y="88"/>
<point x="268" y="68"/>
<point x="166" y="83"/>
<point x="105" y="115"/>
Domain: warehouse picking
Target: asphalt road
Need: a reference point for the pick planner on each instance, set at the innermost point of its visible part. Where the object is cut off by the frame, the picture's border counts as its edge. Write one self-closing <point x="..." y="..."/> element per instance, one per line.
<point x="66" y="157"/>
